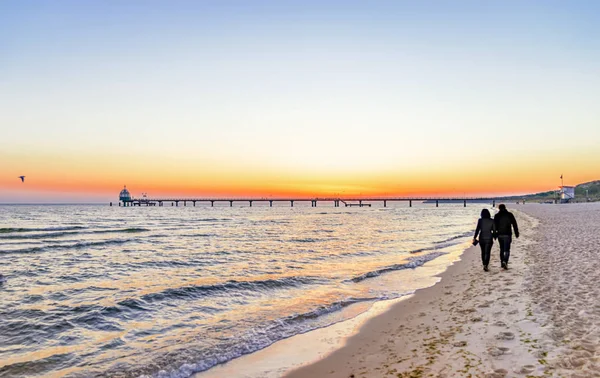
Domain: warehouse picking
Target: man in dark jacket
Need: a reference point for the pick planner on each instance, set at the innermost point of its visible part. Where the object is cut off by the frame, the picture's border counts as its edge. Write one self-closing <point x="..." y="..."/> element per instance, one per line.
<point x="505" y="222"/>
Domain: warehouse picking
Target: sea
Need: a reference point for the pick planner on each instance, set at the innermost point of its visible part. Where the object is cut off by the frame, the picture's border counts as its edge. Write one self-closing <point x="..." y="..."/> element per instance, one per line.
<point x="101" y="291"/>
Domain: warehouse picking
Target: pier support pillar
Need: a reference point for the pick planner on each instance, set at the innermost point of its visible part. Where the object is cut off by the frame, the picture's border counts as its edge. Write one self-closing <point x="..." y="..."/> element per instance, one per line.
<point x="360" y="203"/>
<point x="184" y="203"/>
<point x="384" y="203"/>
<point x="409" y="203"/>
<point x="194" y="203"/>
<point x="465" y="205"/>
<point x="437" y="203"/>
<point x="270" y="203"/>
<point x="176" y="203"/>
<point x="250" y="203"/>
<point x="493" y="203"/>
<point x="212" y="203"/>
<point x="292" y="203"/>
<point x="230" y="203"/>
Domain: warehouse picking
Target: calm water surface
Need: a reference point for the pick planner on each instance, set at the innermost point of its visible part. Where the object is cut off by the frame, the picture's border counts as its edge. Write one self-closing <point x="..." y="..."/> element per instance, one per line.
<point x="168" y="291"/>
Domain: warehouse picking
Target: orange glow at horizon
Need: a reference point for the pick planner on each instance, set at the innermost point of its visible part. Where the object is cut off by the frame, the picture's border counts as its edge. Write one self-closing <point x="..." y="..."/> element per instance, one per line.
<point x="105" y="177"/>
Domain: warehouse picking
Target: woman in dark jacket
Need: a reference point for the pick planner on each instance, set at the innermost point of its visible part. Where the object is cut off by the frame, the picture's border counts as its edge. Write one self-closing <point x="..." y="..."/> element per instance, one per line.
<point x="486" y="230"/>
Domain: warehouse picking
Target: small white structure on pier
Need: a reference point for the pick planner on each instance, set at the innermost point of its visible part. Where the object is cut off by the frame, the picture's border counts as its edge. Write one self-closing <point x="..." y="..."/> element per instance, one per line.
<point x="567" y="194"/>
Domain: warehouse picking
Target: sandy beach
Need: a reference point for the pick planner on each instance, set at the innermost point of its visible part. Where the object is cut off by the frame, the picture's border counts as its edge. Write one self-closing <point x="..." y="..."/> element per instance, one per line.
<point x="539" y="318"/>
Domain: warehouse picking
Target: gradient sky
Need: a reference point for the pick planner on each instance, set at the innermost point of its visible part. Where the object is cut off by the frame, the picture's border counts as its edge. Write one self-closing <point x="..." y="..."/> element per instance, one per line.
<point x="274" y="98"/>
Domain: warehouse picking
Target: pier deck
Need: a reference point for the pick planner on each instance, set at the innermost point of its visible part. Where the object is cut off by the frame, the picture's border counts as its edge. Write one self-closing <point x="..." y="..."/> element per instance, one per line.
<point x="348" y="202"/>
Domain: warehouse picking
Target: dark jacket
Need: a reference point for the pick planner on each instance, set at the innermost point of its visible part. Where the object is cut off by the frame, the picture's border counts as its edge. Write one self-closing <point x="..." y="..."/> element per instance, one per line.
<point x="486" y="227"/>
<point x="503" y="221"/>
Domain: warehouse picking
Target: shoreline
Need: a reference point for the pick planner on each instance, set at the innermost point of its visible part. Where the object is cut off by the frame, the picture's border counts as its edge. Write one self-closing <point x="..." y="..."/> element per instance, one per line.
<point x="302" y="350"/>
<point x="471" y="323"/>
<point x="284" y="355"/>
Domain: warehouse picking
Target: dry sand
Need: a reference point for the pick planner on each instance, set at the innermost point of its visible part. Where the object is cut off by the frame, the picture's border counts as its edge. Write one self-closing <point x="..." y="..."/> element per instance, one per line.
<point x="565" y="285"/>
<point x="539" y="318"/>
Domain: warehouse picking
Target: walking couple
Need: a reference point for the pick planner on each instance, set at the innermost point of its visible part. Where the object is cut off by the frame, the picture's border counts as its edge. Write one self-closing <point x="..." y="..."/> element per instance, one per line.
<point x="500" y="228"/>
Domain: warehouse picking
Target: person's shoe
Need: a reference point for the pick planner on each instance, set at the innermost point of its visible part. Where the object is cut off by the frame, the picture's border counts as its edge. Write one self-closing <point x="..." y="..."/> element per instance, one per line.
<point x="485" y="267"/>
<point x="504" y="265"/>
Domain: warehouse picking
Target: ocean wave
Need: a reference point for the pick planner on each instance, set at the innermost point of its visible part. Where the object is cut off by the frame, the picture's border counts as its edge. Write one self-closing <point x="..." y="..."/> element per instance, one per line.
<point x="305" y="240"/>
<point x="101" y="316"/>
<point x="412" y="263"/>
<point x="131" y="229"/>
<point x="228" y="287"/>
<point x="10" y="230"/>
<point x="67" y="246"/>
<point x="324" y="310"/>
<point x="200" y="235"/>
<point x="449" y="242"/>
<point x="169" y="263"/>
<point x="455" y="237"/>
<point x="51" y="235"/>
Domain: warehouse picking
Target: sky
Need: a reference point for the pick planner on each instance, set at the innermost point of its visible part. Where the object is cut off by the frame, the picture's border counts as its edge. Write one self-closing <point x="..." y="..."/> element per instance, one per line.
<point x="296" y="98"/>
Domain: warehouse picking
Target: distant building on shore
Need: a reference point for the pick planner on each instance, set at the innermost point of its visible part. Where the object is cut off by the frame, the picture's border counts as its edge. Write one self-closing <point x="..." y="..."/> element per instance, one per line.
<point x="567" y="194"/>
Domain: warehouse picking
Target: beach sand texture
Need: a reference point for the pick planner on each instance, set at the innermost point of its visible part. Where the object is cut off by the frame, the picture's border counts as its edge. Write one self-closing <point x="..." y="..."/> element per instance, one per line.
<point x="539" y="318"/>
<point x="565" y="285"/>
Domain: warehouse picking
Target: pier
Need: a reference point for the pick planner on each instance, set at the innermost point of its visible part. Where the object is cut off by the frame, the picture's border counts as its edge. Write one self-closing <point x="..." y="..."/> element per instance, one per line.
<point x="125" y="199"/>
<point x="336" y="201"/>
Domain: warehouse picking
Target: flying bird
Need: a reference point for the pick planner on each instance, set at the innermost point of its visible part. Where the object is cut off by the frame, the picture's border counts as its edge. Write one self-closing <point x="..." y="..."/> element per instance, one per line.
<point x="22" y="178"/>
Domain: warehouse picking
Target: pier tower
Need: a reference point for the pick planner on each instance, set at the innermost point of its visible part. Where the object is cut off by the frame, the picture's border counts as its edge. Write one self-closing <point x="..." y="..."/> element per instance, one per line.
<point x="125" y="197"/>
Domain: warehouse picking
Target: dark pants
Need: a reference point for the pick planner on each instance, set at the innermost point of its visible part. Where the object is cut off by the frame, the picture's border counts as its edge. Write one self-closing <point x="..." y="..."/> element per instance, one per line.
<point x="504" y="241"/>
<point x="486" y="249"/>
